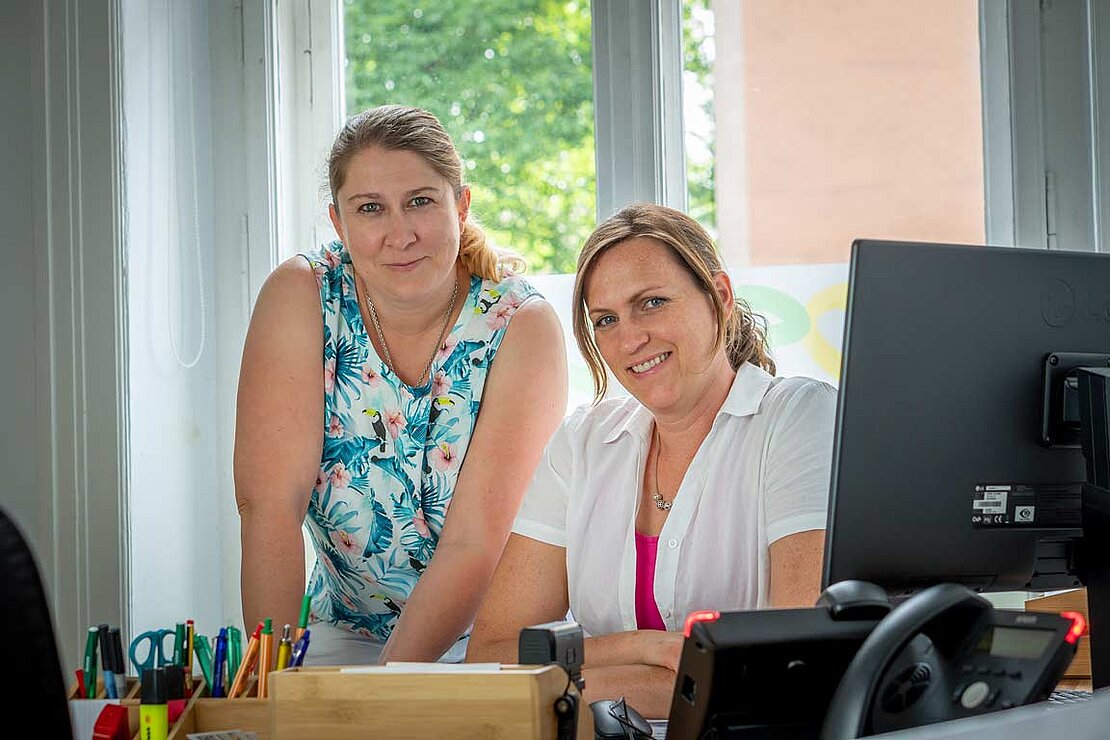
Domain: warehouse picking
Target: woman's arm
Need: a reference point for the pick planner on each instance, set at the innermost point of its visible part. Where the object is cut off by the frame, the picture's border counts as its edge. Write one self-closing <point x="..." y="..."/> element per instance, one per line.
<point x="529" y="587"/>
<point x="278" y="440"/>
<point x="524" y="401"/>
<point x="647" y="688"/>
<point x="796" y="562"/>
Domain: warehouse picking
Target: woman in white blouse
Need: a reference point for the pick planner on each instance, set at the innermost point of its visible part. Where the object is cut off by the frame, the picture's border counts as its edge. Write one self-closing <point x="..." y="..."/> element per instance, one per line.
<point x="707" y="488"/>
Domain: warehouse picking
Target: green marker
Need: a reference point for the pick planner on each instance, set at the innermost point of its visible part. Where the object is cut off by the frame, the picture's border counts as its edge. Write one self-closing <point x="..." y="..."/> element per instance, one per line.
<point x="302" y="623"/>
<point x="91" y="640"/>
<point x="179" y="644"/>
<point x="234" y="650"/>
<point x="203" y="651"/>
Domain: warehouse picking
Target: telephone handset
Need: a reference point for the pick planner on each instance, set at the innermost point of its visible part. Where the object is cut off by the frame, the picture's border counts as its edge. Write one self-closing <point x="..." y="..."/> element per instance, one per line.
<point x="947" y="653"/>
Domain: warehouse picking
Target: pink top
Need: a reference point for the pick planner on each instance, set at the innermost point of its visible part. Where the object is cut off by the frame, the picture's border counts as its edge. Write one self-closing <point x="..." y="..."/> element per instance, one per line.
<point x="647" y="611"/>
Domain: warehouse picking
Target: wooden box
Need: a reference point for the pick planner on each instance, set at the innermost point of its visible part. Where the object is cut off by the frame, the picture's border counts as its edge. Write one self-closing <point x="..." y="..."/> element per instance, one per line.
<point x="332" y="703"/>
<point x="205" y="714"/>
<point x="1074" y="601"/>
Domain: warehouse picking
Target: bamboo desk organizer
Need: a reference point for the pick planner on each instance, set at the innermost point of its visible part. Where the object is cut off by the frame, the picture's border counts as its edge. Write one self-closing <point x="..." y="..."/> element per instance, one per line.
<point x="324" y="703"/>
<point x="207" y="714"/>
<point x="1078" y="673"/>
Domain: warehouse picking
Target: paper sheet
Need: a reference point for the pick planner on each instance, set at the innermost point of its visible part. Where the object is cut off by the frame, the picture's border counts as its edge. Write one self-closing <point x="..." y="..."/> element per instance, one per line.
<point x="401" y="667"/>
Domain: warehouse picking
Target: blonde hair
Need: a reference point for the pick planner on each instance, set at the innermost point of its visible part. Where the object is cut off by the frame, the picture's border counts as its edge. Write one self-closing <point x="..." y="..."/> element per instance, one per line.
<point x="742" y="332"/>
<point x="402" y="128"/>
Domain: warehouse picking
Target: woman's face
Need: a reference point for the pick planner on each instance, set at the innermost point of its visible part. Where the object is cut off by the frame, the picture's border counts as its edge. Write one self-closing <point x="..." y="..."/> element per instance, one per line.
<point x="655" y="328"/>
<point x="401" y="221"/>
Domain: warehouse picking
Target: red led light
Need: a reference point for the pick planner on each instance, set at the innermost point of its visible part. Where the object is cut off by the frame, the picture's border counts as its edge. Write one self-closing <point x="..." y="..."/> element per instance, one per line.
<point x="703" y="616"/>
<point x="1078" y="626"/>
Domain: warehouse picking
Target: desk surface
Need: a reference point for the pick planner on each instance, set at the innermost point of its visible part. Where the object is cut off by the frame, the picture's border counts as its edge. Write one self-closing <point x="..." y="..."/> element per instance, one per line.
<point x="1074" y="684"/>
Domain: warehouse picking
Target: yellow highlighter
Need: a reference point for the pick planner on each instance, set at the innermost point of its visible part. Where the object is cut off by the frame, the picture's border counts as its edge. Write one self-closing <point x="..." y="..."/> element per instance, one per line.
<point x="285" y="648"/>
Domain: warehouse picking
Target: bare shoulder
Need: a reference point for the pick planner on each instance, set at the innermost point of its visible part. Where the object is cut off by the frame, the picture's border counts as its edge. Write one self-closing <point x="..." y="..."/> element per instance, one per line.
<point x="534" y="330"/>
<point x="531" y="363"/>
<point x="293" y="279"/>
<point x="286" y="318"/>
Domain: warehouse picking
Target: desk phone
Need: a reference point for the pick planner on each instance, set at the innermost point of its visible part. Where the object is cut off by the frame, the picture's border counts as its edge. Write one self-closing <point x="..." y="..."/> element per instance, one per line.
<point x="946" y="654"/>
<point x="853" y="666"/>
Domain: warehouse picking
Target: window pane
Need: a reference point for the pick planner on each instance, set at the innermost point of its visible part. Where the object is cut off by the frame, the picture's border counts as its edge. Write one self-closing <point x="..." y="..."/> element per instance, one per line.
<point x="809" y="124"/>
<point x="512" y="82"/>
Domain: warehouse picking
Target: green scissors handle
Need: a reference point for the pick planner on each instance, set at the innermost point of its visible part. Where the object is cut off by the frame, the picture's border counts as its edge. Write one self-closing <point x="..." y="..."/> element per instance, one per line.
<point x="152" y="646"/>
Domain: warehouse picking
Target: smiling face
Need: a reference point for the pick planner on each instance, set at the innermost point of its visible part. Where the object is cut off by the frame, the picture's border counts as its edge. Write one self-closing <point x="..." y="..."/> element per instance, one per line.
<point x="655" y="328"/>
<point x="401" y="221"/>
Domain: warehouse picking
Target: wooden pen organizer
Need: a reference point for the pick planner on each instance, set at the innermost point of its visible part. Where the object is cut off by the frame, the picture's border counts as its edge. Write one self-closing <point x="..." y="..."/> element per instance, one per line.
<point x="330" y="703"/>
<point x="204" y="713"/>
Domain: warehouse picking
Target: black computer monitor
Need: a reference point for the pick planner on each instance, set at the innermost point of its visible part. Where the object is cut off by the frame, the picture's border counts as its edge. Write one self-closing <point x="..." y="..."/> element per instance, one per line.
<point x="957" y="452"/>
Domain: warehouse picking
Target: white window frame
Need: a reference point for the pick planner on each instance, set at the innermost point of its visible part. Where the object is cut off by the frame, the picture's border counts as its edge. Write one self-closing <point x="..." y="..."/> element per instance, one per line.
<point x="82" y="272"/>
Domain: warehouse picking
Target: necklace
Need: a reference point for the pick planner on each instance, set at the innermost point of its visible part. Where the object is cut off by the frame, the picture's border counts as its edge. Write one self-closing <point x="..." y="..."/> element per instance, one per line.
<point x="660" y="503"/>
<point x="439" y="342"/>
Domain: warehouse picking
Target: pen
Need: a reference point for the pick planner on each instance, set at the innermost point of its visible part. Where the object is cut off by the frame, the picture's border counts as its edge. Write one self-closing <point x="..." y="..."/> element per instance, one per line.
<point x="219" y="663"/>
<point x="247" y="665"/>
<point x="285" y="647"/>
<point x="107" y="662"/>
<point x="118" y="662"/>
<point x="80" y="673"/>
<point x="297" y="658"/>
<point x="265" y="663"/>
<point x="189" y="637"/>
<point x="204" y="657"/>
<point x="234" y="650"/>
<point x="302" y="623"/>
<point x="91" y="638"/>
<point x="179" y="644"/>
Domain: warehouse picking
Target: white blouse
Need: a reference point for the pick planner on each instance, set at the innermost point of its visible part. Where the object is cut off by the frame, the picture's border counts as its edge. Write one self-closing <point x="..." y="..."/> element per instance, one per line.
<point x="762" y="473"/>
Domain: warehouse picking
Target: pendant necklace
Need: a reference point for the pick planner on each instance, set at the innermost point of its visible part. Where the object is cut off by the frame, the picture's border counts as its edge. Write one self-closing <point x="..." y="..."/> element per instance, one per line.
<point x="439" y="342"/>
<point x="660" y="503"/>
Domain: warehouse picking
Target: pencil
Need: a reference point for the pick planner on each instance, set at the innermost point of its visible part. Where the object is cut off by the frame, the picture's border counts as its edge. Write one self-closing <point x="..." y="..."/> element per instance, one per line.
<point x="190" y="636"/>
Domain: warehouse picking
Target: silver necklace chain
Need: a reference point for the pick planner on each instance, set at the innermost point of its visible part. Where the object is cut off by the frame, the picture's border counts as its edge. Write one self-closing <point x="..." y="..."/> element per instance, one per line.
<point x="439" y="342"/>
<point x="660" y="503"/>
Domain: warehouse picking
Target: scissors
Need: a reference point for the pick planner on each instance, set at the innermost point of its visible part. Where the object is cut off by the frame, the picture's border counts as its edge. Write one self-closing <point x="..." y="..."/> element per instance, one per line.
<point x="152" y="645"/>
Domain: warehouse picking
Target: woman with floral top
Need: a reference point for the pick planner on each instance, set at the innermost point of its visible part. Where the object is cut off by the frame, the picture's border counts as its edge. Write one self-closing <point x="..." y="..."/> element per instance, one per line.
<point x="397" y="388"/>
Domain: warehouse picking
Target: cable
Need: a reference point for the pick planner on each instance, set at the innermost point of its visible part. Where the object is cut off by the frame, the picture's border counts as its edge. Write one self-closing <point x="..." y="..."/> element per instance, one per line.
<point x="196" y="214"/>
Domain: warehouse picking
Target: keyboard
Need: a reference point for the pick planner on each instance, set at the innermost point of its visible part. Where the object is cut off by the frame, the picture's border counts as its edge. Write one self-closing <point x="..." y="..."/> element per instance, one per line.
<point x="1068" y="696"/>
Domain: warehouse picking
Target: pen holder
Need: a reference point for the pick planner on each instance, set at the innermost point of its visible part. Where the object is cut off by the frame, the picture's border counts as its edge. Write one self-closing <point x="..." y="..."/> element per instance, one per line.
<point x="207" y="714"/>
<point x="422" y="703"/>
<point x="130" y="700"/>
<point x="132" y="691"/>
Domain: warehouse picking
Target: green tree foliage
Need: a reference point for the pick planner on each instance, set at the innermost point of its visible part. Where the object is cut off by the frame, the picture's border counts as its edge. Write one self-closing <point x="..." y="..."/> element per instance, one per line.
<point x="511" y="81"/>
<point x="697" y="60"/>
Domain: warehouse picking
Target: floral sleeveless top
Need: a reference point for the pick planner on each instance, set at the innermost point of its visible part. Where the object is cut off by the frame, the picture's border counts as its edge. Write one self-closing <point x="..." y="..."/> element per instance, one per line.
<point x="391" y="453"/>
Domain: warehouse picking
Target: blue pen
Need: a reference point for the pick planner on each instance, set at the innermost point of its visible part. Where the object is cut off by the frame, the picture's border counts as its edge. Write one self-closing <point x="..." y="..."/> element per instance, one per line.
<point x="218" y="664"/>
<point x="297" y="657"/>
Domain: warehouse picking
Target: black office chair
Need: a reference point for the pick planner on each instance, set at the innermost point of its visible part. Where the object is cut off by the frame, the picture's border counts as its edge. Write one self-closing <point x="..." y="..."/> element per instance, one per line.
<point x="30" y="670"/>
